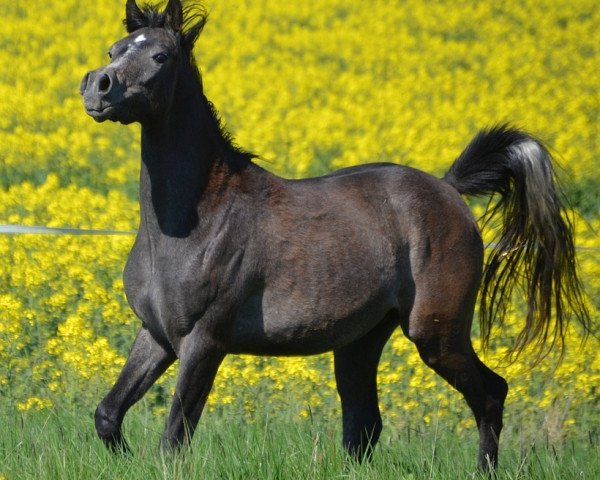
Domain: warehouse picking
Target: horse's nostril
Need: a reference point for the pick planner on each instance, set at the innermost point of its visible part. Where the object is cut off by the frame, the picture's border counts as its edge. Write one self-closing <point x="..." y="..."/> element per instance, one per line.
<point x="104" y="83"/>
<point x="84" y="83"/>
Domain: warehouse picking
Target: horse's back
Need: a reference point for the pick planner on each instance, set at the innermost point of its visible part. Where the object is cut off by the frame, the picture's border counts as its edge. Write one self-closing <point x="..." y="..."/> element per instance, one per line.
<point x="404" y="205"/>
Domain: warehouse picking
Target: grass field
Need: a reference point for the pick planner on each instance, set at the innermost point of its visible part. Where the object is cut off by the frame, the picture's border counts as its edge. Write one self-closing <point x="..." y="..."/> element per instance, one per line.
<point x="310" y="87"/>
<point x="61" y="444"/>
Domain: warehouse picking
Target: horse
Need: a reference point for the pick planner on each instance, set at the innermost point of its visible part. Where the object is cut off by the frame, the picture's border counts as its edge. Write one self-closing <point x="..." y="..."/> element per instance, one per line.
<point x="230" y="258"/>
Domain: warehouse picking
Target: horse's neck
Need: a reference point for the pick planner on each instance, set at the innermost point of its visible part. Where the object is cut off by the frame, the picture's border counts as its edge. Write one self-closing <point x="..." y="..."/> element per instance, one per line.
<point x="178" y="157"/>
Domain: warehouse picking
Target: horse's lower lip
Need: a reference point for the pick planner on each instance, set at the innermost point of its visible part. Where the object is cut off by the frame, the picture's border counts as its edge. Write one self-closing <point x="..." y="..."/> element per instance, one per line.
<point x="100" y="114"/>
<point x="99" y="110"/>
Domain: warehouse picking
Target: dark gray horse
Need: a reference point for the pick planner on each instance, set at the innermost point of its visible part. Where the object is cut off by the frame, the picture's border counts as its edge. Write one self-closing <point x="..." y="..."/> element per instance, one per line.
<point x="230" y="258"/>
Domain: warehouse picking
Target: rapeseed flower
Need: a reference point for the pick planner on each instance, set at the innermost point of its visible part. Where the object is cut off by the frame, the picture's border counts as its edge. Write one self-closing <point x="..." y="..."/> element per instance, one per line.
<point x="309" y="87"/>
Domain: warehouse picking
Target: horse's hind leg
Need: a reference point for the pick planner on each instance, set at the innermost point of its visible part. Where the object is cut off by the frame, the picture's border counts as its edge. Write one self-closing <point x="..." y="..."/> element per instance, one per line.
<point x="356" y="378"/>
<point x="146" y="362"/>
<point x="451" y="355"/>
<point x="490" y="424"/>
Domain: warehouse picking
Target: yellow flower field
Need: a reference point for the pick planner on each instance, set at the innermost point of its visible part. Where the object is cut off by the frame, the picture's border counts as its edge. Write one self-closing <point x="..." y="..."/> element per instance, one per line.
<point x="310" y="87"/>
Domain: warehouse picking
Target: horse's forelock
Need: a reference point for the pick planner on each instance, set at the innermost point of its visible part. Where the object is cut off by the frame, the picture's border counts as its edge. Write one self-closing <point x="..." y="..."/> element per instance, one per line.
<point x="187" y="19"/>
<point x="146" y="16"/>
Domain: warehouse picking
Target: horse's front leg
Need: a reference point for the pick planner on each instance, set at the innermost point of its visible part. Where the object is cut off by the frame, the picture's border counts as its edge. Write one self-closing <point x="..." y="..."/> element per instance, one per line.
<point x="146" y="362"/>
<point x="199" y="360"/>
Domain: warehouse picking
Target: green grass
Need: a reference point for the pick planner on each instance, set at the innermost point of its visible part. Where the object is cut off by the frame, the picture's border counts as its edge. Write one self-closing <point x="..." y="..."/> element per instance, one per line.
<point x="61" y="444"/>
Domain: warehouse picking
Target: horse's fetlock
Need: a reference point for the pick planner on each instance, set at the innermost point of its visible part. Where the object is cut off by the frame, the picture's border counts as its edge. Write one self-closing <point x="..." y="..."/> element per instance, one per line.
<point x="107" y="427"/>
<point x="170" y="444"/>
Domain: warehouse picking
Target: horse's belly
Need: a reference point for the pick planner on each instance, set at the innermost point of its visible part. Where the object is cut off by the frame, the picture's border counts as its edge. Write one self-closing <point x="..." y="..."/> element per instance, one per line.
<point x="267" y="325"/>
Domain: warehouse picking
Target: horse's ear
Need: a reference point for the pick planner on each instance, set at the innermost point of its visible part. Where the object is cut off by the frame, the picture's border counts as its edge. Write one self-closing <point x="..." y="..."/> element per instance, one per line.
<point x="134" y="17"/>
<point x="174" y="15"/>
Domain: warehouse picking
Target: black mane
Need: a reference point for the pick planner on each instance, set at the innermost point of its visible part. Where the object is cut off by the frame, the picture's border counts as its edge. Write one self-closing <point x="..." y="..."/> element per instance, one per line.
<point x="237" y="157"/>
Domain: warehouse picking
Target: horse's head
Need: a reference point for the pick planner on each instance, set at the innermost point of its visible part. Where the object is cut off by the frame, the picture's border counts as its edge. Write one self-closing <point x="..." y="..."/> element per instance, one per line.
<point x="138" y="83"/>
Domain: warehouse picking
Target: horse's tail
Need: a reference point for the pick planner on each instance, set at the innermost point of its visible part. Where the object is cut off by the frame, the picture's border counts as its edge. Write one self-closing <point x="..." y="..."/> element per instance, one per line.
<point x="535" y="249"/>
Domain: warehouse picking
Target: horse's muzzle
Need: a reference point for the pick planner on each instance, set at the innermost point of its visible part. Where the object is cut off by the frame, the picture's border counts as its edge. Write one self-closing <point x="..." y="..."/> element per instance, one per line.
<point x="101" y="92"/>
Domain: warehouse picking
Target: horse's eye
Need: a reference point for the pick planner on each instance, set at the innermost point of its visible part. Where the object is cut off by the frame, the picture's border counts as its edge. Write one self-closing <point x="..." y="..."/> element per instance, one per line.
<point x="160" y="58"/>
<point x="110" y="55"/>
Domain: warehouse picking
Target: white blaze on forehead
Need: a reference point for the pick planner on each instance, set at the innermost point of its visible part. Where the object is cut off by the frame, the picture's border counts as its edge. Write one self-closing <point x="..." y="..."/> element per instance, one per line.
<point x="140" y="38"/>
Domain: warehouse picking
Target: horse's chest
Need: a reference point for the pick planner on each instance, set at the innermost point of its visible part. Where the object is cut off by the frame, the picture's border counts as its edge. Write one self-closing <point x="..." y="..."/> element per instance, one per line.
<point x="168" y="294"/>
